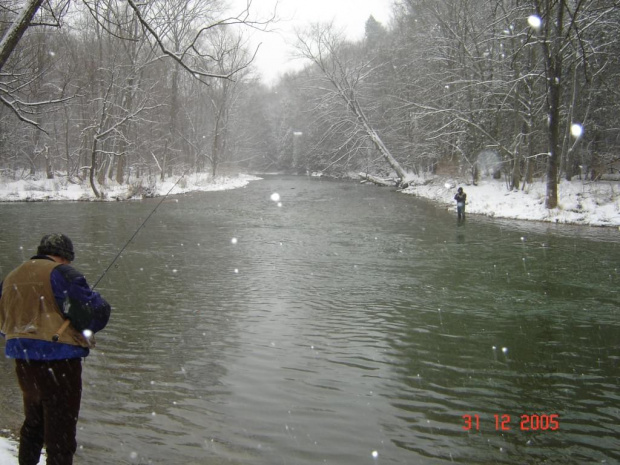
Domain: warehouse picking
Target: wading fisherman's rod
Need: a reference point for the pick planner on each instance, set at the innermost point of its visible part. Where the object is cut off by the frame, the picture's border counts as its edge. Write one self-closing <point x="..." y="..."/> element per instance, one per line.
<point x="138" y="230"/>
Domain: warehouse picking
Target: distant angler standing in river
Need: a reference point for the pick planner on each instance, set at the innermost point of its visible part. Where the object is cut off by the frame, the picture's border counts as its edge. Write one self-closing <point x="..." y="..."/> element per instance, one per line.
<point x="48" y="314"/>
<point x="461" y="198"/>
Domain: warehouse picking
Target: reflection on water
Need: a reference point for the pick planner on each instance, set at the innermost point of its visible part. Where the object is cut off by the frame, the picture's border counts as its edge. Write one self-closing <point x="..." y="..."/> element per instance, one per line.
<point x="349" y="325"/>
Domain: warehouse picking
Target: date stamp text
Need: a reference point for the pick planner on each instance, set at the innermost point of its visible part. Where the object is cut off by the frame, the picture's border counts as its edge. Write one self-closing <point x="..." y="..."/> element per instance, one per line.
<point x="506" y="422"/>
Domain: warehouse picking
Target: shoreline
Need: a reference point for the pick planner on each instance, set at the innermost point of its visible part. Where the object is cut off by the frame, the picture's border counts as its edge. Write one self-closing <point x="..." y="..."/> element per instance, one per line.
<point x="580" y="202"/>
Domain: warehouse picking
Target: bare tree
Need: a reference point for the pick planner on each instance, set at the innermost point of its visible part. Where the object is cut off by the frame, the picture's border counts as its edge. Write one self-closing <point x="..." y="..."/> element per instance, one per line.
<point x="17" y="29"/>
<point x="183" y="53"/>
<point x="109" y="124"/>
<point x="325" y="48"/>
<point x="561" y="34"/>
<point x="229" y="54"/>
<point x="193" y="49"/>
<point x="10" y="82"/>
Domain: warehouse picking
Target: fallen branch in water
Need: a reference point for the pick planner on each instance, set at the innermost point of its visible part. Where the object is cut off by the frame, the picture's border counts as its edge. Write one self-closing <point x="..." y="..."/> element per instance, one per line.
<point x="389" y="182"/>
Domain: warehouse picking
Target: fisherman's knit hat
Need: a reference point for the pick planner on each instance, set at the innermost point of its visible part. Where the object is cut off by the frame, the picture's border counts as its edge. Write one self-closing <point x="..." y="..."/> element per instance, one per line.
<point x="56" y="244"/>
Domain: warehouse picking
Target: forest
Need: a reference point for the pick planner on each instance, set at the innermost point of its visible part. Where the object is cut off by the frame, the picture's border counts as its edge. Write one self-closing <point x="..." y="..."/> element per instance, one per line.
<point x="107" y="91"/>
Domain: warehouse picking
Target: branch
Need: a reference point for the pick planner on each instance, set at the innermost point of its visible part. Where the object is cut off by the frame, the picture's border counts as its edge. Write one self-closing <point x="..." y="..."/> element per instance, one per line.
<point x="18" y="27"/>
<point x="19" y="114"/>
<point x="198" y="74"/>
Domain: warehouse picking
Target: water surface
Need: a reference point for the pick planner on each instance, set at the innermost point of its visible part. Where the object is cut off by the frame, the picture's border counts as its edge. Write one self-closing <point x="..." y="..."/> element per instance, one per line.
<point x="348" y="325"/>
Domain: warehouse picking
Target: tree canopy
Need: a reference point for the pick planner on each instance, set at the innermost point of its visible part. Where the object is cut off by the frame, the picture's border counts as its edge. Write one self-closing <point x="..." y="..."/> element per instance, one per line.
<point x="120" y="91"/>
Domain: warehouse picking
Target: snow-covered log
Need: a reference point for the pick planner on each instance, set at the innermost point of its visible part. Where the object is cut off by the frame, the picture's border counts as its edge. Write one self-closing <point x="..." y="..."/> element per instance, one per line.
<point x="389" y="182"/>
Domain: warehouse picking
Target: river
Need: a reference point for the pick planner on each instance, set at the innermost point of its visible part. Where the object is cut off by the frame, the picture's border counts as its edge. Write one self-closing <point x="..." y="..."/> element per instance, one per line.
<point x="345" y="324"/>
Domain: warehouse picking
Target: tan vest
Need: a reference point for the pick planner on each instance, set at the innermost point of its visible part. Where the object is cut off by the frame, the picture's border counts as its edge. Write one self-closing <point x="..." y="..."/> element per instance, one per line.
<point x="28" y="308"/>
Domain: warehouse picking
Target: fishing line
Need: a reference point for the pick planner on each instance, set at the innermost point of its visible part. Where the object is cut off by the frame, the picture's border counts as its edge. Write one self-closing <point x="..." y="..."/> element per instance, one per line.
<point x="138" y="230"/>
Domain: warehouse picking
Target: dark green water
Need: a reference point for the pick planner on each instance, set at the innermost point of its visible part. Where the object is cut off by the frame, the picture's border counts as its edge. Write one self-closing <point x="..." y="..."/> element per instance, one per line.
<point x="350" y="325"/>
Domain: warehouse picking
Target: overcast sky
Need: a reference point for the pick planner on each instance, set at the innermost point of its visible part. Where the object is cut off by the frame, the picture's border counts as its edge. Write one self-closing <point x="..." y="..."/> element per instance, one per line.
<point x="275" y="52"/>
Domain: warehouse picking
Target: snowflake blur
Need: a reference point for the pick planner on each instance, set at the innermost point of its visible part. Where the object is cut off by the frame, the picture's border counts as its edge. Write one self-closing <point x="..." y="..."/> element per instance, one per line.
<point x="534" y="21"/>
<point x="576" y="130"/>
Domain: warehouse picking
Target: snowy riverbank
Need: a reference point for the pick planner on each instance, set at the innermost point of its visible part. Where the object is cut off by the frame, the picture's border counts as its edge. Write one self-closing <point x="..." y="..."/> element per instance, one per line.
<point x="580" y="202"/>
<point x="8" y="451"/>
<point x="60" y="189"/>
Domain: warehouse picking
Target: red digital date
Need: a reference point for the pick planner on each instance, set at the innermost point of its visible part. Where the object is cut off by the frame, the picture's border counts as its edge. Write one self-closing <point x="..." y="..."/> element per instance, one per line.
<point x="528" y="422"/>
<point x="540" y="422"/>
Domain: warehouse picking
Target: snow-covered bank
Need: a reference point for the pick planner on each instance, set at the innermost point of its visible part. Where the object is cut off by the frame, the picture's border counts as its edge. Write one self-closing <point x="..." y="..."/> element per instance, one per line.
<point x="60" y="189"/>
<point x="580" y="202"/>
<point x="8" y="451"/>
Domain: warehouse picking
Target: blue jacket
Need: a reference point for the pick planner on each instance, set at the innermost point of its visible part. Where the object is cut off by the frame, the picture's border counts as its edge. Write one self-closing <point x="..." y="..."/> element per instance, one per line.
<point x="67" y="283"/>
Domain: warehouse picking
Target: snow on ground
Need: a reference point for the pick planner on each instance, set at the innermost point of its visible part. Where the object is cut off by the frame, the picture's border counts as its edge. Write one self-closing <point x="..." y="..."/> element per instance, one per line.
<point x="61" y="189"/>
<point x="579" y="202"/>
<point x="8" y="451"/>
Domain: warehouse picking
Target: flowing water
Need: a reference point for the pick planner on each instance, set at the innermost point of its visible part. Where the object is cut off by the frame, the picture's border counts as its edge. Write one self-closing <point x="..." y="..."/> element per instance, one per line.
<point x="349" y="324"/>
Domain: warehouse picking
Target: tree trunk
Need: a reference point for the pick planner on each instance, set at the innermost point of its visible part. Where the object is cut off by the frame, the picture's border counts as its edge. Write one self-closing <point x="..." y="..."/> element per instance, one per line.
<point x="17" y="29"/>
<point x="93" y="167"/>
<point x="164" y="163"/>
<point x="215" y="147"/>
<point x="553" y="61"/>
<point x="515" y="178"/>
<point x="67" y="151"/>
<point x="355" y="107"/>
<point x="120" y="165"/>
<point x="551" y="199"/>
<point x="325" y="56"/>
<point x="49" y="170"/>
<point x="377" y="180"/>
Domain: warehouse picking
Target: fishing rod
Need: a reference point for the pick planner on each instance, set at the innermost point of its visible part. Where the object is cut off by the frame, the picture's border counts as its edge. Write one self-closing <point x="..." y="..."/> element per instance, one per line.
<point x="67" y="322"/>
<point x="138" y="230"/>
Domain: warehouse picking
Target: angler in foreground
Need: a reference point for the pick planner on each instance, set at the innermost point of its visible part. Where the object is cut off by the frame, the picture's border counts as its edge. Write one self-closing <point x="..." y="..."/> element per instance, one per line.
<point x="48" y="315"/>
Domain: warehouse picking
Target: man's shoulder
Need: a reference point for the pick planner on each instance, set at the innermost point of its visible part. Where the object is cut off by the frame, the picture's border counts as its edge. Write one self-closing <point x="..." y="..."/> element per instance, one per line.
<point x="68" y="272"/>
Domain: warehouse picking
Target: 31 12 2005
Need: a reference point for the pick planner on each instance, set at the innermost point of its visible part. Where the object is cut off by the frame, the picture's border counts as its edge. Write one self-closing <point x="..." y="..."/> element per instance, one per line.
<point x="505" y="422"/>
